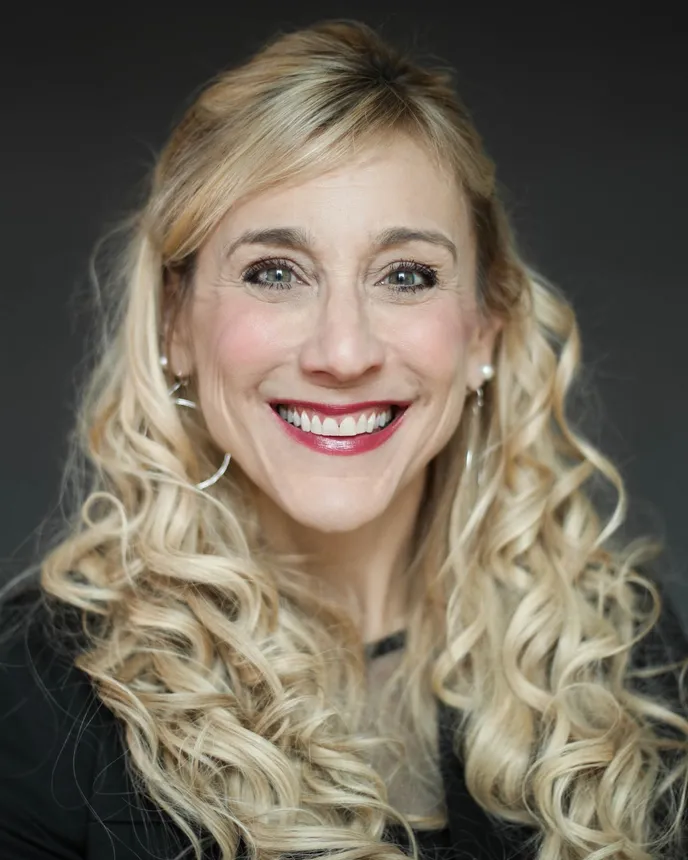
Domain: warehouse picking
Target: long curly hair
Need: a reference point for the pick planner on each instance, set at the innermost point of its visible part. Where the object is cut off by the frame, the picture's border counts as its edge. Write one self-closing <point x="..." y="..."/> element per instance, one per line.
<point x="232" y="675"/>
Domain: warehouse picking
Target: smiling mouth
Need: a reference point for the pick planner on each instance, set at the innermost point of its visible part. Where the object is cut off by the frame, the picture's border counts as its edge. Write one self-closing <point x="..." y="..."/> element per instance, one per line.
<point x="370" y="421"/>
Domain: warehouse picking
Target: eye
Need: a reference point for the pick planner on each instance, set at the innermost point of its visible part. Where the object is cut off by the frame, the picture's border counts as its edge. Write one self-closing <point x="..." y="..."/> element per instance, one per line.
<point x="271" y="274"/>
<point x="409" y="277"/>
<point x="276" y="276"/>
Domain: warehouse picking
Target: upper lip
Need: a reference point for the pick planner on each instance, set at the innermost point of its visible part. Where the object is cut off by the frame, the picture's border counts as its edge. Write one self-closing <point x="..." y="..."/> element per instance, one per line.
<point x="343" y="408"/>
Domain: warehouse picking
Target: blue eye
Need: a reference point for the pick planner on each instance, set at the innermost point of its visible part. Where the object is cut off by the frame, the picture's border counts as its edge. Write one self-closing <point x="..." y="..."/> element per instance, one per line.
<point x="409" y="277"/>
<point x="280" y="276"/>
<point x="272" y="274"/>
<point x="405" y="278"/>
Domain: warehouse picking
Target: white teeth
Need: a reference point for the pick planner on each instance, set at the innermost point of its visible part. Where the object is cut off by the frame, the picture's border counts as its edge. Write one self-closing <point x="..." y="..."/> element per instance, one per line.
<point x="328" y="426"/>
<point x="347" y="427"/>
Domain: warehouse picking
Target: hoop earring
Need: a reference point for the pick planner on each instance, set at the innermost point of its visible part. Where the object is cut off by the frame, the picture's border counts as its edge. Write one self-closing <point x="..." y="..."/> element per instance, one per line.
<point x="189" y="404"/>
<point x="488" y="373"/>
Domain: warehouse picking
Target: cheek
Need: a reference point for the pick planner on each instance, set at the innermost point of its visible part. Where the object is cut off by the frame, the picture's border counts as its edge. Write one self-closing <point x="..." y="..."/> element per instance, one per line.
<point x="238" y="339"/>
<point x="435" y="342"/>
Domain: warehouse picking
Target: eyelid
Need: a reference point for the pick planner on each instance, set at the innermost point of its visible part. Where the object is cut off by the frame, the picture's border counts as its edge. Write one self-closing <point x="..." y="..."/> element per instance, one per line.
<point x="431" y="272"/>
<point x="272" y="263"/>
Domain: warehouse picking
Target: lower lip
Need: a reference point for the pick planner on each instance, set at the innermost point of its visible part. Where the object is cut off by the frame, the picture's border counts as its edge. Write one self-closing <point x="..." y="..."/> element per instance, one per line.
<point x="342" y="445"/>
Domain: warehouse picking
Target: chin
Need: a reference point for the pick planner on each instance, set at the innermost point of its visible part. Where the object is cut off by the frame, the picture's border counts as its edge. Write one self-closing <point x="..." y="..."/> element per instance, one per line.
<point x="332" y="518"/>
<point x="325" y="505"/>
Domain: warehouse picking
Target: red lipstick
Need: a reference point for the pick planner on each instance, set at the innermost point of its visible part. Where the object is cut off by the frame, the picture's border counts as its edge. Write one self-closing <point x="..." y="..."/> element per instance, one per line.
<point x="344" y="409"/>
<point x="342" y="445"/>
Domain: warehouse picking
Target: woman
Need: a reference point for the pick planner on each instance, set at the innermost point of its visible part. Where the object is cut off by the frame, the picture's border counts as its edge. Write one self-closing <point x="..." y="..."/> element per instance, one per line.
<point x="338" y="586"/>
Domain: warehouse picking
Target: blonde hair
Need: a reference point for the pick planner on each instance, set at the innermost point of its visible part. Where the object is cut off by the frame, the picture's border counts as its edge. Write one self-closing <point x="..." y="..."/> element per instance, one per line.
<point x="240" y="689"/>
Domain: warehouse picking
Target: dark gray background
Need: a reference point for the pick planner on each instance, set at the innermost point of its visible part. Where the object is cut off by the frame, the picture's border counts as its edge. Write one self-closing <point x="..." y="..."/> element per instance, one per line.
<point x="584" y="113"/>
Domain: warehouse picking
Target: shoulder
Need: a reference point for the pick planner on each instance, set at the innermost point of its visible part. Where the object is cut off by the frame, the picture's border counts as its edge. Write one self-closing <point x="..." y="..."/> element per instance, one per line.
<point x="48" y="732"/>
<point x="37" y="652"/>
<point x="37" y="670"/>
<point x="65" y="786"/>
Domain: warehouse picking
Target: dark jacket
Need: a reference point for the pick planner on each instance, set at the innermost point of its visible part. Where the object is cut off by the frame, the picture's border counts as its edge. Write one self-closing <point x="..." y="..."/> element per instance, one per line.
<point x="65" y="791"/>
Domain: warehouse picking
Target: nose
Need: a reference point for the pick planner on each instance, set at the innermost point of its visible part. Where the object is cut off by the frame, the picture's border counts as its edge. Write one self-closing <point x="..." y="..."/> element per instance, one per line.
<point x="342" y="343"/>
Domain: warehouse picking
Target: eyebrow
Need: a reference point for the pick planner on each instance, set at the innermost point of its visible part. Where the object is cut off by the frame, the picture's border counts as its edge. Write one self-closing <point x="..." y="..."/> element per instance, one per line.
<point x="400" y="235"/>
<point x="291" y="237"/>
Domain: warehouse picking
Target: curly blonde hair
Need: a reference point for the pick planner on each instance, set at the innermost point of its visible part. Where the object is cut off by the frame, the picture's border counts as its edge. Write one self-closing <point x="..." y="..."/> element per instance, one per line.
<point x="234" y="678"/>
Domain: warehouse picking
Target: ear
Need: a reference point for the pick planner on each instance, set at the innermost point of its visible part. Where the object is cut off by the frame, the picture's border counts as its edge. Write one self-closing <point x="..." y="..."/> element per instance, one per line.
<point x="482" y="349"/>
<point x="176" y="335"/>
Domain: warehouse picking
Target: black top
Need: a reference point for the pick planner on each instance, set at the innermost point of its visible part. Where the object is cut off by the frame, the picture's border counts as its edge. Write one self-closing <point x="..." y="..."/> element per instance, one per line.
<point x="66" y="793"/>
<point x="383" y="646"/>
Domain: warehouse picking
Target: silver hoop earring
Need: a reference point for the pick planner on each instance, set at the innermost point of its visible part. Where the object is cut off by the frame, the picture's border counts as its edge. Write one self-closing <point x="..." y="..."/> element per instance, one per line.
<point x="189" y="404"/>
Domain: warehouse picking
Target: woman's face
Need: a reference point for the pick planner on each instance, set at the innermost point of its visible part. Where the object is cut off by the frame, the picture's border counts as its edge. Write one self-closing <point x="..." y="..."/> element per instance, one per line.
<point x="348" y="299"/>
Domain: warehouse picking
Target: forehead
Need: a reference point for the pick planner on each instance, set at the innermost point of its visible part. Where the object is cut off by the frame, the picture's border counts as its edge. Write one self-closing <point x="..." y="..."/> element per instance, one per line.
<point x="392" y="184"/>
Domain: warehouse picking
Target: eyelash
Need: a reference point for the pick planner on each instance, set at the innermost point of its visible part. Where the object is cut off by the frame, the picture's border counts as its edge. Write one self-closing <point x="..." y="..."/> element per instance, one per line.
<point x="403" y="265"/>
<point x="412" y="266"/>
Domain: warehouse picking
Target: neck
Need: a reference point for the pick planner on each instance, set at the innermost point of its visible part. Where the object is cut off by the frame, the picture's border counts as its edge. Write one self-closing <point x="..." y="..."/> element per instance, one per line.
<point x="364" y="568"/>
